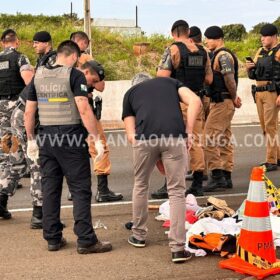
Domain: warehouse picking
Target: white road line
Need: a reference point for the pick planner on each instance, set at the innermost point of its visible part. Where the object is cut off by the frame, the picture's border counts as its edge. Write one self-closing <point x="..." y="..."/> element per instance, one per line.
<point x="128" y="202"/>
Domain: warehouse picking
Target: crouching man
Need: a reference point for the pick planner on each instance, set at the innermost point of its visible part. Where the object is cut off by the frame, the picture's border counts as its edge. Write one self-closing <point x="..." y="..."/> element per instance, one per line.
<point x="155" y="128"/>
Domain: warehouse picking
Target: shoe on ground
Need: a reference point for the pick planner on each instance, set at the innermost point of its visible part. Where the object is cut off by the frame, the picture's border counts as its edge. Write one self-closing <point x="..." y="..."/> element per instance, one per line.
<point x="181" y="256"/>
<point x="269" y="166"/>
<point x="69" y="196"/>
<point x="99" y="247"/>
<point x="4" y="213"/>
<point x="160" y="193"/>
<point x="189" y="177"/>
<point x="195" y="192"/>
<point x="57" y="246"/>
<point x="108" y="196"/>
<point x="216" y="183"/>
<point x="36" y="223"/>
<point x="135" y="242"/>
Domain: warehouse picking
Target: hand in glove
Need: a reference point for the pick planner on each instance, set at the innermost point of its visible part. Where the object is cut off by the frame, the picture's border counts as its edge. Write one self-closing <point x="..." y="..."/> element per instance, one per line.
<point x="32" y="150"/>
<point x="99" y="150"/>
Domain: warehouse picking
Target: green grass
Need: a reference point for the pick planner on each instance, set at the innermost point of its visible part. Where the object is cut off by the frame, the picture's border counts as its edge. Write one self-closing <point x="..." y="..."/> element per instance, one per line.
<point x="113" y="50"/>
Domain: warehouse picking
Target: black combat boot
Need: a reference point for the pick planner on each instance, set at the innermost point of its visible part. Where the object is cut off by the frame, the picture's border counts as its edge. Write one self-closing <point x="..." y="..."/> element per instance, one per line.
<point x="217" y="181"/>
<point x="4" y="213"/>
<point x="227" y="176"/>
<point x="160" y="193"/>
<point x="104" y="194"/>
<point x="36" y="219"/>
<point x="196" y="186"/>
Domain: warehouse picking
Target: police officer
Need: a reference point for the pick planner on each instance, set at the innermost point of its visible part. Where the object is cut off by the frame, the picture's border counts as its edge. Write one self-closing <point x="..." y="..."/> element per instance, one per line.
<point x="224" y="100"/>
<point x="265" y="69"/>
<point x="60" y="94"/>
<point x="196" y="37"/>
<point x="42" y="44"/>
<point x="102" y="169"/>
<point x="190" y="64"/>
<point x="15" y="73"/>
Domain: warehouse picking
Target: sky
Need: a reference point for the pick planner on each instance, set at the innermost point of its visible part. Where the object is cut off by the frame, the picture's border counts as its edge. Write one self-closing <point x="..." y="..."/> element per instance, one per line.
<point x="157" y="16"/>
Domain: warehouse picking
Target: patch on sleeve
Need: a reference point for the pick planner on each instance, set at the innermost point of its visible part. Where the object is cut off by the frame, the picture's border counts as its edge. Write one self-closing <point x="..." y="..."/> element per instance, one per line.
<point x="226" y="64"/>
<point x="84" y="88"/>
<point x="166" y="61"/>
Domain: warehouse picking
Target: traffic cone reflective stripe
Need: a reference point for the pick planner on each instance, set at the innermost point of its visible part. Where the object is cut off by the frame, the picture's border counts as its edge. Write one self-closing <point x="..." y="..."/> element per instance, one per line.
<point x="257" y="192"/>
<point x="257" y="209"/>
<point x="255" y="249"/>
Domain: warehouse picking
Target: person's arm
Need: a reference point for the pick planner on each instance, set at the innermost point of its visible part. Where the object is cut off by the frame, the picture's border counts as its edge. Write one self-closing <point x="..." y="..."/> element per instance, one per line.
<point x="25" y="68"/>
<point x="29" y="118"/>
<point x="165" y="66"/>
<point x="231" y="85"/>
<point x="226" y="67"/>
<point x="208" y="80"/>
<point x="87" y="116"/>
<point x="194" y="104"/>
<point x="129" y="123"/>
<point x="27" y="76"/>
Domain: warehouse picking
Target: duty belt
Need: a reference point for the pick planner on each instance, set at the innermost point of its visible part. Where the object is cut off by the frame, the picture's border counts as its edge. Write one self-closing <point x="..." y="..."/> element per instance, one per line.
<point x="268" y="87"/>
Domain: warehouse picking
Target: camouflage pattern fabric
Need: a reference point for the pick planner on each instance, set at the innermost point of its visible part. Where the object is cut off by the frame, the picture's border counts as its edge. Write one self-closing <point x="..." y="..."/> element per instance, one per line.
<point x="17" y="123"/>
<point x="12" y="162"/>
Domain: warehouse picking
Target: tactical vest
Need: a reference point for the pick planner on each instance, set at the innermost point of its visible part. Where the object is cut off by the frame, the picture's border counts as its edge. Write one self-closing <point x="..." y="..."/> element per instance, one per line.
<point x="44" y="59"/>
<point x="11" y="82"/>
<point x="56" y="102"/>
<point x="218" y="84"/>
<point x="191" y="71"/>
<point x="267" y="68"/>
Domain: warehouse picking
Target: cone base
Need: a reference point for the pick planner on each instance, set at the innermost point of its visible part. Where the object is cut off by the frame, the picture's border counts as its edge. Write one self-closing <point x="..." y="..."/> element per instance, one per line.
<point x="243" y="267"/>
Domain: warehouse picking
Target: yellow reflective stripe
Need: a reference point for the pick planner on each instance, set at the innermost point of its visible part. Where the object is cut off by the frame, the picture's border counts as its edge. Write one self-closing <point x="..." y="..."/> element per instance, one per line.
<point x="58" y="99"/>
<point x="255" y="260"/>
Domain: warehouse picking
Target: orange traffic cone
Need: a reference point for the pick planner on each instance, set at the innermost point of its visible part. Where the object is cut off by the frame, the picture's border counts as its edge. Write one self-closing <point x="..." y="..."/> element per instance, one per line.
<point x="255" y="249"/>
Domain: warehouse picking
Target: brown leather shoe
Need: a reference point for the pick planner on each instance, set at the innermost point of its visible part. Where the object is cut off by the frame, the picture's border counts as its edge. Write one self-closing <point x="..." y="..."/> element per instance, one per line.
<point x="99" y="247"/>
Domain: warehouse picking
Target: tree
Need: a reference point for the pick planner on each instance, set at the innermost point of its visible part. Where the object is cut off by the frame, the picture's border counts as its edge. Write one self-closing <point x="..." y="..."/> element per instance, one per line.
<point x="234" y="32"/>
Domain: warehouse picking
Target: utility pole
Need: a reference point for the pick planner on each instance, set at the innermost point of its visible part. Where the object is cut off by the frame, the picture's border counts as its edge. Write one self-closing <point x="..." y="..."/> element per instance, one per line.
<point x="87" y="22"/>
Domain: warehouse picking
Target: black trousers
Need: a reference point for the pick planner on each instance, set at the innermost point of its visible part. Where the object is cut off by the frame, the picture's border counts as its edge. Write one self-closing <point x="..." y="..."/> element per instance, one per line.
<point x="61" y="156"/>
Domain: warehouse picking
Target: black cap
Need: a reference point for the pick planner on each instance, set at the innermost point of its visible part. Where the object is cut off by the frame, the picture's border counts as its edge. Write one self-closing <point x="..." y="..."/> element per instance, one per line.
<point x="194" y="31"/>
<point x="178" y="23"/>
<point x="214" y="32"/>
<point x="8" y="32"/>
<point x="98" y="68"/>
<point x="269" y="30"/>
<point x="42" y="36"/>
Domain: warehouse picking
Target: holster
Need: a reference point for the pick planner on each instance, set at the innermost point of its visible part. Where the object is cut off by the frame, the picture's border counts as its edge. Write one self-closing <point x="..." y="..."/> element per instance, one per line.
<point x="97" y="107"/>
<point x="254" y="90"/>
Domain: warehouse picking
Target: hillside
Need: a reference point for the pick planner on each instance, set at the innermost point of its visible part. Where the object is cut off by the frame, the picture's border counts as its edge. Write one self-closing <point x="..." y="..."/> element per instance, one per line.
<point x="113" y="50"/>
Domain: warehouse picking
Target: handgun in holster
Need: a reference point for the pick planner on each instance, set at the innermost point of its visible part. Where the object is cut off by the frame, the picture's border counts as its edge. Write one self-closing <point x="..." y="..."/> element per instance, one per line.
<point x="254" y="90"/>
<point x="97" y="107"/>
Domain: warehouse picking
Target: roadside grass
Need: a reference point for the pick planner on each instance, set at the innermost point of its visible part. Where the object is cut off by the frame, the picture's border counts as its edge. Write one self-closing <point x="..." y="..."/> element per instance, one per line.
<point x="113" y="50"/>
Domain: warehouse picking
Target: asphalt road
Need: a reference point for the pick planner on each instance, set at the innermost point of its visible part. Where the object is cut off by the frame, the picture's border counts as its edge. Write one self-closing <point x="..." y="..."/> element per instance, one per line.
<point x="121" y="179"/>
<point x="25" y="255"/>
